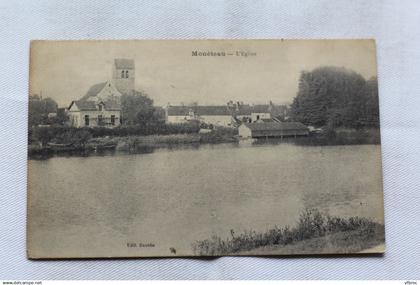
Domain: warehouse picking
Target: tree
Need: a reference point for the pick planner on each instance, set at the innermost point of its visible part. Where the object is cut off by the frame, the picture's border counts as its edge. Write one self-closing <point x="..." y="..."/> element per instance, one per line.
<point x="43" y="134"/>
<point x="372" y="103"/>
<point x="38" y="110"/>
<point x="333" y="97"/>
<point x="137" y="108"/>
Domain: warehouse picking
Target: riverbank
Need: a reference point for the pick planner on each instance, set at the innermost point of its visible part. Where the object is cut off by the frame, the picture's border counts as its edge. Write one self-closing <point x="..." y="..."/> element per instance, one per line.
<point x="136" y="143"/>
<point x="342" y="136"/>
<point x="337" y="243"/>
<point x="314" y="234"/>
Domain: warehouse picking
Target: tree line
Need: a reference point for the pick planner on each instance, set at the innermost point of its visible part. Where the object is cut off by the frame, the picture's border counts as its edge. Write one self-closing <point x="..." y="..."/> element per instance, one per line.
<point x="335" y="97"/>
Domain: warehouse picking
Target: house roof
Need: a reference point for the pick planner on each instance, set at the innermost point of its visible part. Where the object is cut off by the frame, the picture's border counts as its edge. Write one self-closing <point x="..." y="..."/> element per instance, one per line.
<point x="94" y="90"/>
<point x="212" y="110"/>
<point x="275" y="126"/>
<point x="178" y="110"/>
<point x="243" y="110"/>
<point x="260" y="109"/>
<point x="84" y="105"/>
<point x="199" y="110"/>
<point x="123" y="63"/>
<point x="224" y="110"/>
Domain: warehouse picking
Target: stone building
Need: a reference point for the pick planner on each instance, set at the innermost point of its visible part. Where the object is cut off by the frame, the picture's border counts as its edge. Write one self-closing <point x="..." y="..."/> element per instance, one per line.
<point x="123" y="75"/>
<point x="101" y="105"/>
<point x="214" y="115"/>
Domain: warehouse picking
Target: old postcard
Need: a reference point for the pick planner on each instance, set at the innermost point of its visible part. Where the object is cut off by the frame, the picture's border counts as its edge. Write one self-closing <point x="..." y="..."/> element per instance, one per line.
<point x="203" y="148"/>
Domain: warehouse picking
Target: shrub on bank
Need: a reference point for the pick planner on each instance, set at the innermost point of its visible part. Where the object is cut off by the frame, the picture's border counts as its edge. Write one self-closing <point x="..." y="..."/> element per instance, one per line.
<point x="63" y="134"/>
<point x="157" y="128"/>
<point x="312" y="224"/>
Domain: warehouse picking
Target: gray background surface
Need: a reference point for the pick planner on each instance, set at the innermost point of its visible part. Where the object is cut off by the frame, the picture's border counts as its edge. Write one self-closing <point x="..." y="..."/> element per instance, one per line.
<point x="394" y="24"/>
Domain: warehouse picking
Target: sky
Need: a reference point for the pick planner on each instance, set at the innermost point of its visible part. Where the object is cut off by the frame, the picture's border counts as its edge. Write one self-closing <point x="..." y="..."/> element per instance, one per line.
<point x="168" y="73"/>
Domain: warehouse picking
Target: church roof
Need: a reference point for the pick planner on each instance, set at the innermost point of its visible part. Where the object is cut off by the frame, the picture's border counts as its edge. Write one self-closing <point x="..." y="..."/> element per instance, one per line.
<point x="123" y="63"/>
<point x="94" y="90"/>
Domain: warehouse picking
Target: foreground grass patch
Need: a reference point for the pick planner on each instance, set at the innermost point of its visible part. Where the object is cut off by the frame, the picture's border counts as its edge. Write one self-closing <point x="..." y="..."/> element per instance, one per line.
<point x="314" y="233"/>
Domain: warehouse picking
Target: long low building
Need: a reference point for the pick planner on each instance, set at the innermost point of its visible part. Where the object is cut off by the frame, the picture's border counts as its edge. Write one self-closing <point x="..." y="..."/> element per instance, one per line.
<point x="216" y="115"/>
<point x="229" y="115"/>
<point x="272" y="129"/>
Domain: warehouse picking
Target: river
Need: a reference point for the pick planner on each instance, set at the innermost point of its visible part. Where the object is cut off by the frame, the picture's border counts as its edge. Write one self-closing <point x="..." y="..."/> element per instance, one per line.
<point x="168" y="198"/>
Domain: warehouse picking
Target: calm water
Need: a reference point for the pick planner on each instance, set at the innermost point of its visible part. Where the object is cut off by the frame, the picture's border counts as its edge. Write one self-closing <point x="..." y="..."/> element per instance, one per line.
<point x="94" y="206"/>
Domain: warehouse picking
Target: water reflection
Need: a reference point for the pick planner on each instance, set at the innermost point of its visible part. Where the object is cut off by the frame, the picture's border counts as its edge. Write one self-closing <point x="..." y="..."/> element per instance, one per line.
<point x="172" y="196"/>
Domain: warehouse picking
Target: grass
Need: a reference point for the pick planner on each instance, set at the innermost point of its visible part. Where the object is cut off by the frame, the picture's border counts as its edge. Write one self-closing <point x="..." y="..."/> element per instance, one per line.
<point x="339" y="243"/>
<point x="314" y="233"/>
<point x="139" y="143"/>
<point x="133" y="143"/>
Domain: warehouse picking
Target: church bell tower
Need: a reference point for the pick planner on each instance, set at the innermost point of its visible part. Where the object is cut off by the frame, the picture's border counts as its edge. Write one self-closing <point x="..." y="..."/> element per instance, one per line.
<point x="123" y="75"/>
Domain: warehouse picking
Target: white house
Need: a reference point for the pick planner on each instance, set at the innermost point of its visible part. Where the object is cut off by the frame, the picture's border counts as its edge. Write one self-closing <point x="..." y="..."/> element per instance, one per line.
<point x="94" y="114"/>
<point x="215" y="115"/>
<point x="264" y="112"/>
<point x="255" y="113"/>
<point x="101" y="105"/>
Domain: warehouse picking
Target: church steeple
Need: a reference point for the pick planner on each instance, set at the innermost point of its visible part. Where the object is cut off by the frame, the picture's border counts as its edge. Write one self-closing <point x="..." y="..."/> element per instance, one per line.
<point x="123" y="75"/>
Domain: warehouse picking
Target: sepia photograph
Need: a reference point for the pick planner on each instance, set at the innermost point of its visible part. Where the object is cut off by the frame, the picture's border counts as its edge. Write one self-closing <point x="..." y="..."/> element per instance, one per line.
<point x="168" y="148"/>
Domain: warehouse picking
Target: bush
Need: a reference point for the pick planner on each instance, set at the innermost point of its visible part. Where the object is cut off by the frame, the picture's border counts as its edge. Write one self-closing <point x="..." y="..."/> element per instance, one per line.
<point x="63" y="134"/>
<point x="156" y="128"/>
<point x="311" y="224"/>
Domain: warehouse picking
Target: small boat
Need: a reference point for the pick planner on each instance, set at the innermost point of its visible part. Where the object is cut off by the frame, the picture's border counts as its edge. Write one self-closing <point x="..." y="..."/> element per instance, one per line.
<point x="105" y="146"/>
<point x="59" y="144"/>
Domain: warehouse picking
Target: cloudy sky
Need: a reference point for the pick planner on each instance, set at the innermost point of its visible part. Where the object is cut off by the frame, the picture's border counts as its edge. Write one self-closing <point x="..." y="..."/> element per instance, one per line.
<point x="168" y="73"/>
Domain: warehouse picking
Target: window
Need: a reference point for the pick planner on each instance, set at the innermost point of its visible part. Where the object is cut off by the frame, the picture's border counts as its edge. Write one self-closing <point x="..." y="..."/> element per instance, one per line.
<point x="122" y="73"/>
<point x="100" y="107"/>
<point x="86" y="120"/>
<point x="113" y="120"/>
<point x="126" y="74"/>
<point x="99" y="120"/>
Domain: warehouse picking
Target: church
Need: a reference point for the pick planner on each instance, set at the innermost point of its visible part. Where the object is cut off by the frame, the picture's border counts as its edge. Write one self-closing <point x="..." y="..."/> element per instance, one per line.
<point x="101" y="105"/>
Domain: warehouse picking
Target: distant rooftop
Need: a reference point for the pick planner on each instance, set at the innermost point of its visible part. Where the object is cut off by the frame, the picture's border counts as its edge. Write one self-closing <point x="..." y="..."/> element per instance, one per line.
<point x="199" y="110"/>
<point x="224" y="110"/>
